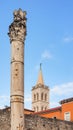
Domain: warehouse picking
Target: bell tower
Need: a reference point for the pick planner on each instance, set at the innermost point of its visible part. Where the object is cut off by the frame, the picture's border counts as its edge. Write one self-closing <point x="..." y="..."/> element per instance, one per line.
<point x="40" y="94"/>
<point x="17" y="33"/>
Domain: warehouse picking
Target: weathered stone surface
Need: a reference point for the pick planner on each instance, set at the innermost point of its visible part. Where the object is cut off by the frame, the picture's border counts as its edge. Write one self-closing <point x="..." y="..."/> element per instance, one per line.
<point x="34" y="122"/>
<point x="17" y="33"/>
<point x="17" y="29"/>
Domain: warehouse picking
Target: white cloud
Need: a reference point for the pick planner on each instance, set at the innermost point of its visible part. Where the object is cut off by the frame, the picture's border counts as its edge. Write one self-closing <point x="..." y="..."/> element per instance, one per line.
<point x="46" y="55"/>
<point x="28" y="99"/>
<point x="54" y="104"/>
<point x="64" y="89"/>
<point x="4" y="101"/>
<point x="68" y="39"/>
<point x="4" y="98"/>
<point x="60" y="92"/>
<point x="57" y="93"/>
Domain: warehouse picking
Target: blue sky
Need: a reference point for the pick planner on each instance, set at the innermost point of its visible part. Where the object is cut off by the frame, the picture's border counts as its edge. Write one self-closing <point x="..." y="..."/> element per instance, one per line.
<point x="49" y="41"/>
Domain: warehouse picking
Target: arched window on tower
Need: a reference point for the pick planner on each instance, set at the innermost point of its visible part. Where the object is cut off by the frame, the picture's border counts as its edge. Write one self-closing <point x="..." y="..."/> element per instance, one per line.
<point x="45" y="108"/>
<point x="37" y="109"/>
<point x="37" y="96"/>
<point x="41" y="96"/>
<point x="34" y="97"/>
<point x="45" y="97"/>
<point x="42" y="108"/>
<point x="34" y="109"/>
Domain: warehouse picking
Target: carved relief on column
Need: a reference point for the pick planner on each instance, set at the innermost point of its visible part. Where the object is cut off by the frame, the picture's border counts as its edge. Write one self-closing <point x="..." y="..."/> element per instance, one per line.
<point x="17" y="30"/>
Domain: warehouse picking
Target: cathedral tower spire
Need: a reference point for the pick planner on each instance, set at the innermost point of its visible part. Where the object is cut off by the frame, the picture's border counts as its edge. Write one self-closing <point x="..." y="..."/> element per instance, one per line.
<point x="40" y="76"/>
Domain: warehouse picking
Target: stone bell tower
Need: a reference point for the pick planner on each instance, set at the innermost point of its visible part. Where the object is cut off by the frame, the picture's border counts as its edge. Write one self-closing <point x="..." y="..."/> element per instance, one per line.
<point x="40" y="94"/>
<point x="17" y="33"/>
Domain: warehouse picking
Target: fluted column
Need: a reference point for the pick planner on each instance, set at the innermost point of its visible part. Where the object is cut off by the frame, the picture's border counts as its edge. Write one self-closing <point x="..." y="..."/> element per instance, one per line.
<point x="17" y="33"/>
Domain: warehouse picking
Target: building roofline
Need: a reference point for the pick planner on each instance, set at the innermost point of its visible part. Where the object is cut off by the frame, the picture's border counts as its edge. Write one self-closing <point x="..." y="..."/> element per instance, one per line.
<point x="10" y="108"/>
<point x="49" y="110"/>
<point x="28" y="110"/>
<point x="66" y="100"/>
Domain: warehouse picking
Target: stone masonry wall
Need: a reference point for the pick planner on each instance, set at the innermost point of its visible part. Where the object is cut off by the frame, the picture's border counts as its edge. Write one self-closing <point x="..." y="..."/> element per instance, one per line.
<point x="34" y="122"/>
<point x="4" y="120"/>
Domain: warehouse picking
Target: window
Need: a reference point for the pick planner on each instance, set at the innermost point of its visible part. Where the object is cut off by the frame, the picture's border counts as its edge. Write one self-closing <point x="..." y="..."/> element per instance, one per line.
<point x="34" y="97"/>
<point x="45" y="108"/>
<point x="37" y="96"/>
<point x="54" y="117"/>
<point x="34" y="108"/>
<point x="42" y="96"/>
<point x="67" y="116"/>
<point x="42" y="108"/>
<point x="37" y="109"/>
<point x="45" y="97"/>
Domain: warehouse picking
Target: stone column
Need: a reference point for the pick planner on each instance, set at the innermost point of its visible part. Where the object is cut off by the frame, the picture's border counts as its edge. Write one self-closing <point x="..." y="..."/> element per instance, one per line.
<point x="17" y="33"/>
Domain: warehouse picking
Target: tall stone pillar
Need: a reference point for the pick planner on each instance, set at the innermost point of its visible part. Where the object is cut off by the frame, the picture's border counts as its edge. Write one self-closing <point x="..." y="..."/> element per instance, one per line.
<point x="17" y="33"/>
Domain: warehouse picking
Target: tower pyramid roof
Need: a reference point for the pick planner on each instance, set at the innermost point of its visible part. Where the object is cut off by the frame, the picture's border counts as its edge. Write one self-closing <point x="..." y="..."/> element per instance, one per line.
<point x="40" y="77"/>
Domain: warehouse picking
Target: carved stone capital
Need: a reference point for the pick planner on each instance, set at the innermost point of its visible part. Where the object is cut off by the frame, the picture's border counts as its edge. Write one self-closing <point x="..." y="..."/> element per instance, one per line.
<point x="17" y="29"/>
